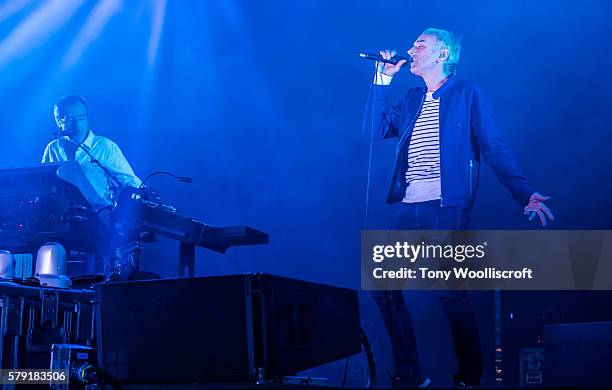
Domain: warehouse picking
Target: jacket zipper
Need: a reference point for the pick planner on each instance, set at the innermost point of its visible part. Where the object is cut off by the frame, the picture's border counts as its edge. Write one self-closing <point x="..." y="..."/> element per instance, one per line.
<point x="440" y="151"/>
<point x="471" y="166"/>
<point x="399" y="144"/>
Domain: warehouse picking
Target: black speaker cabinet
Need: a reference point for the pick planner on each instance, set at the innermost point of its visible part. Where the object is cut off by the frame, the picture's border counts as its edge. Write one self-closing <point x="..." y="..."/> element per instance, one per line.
<point x="578" y="355"/>
<point x="222" y="329"/>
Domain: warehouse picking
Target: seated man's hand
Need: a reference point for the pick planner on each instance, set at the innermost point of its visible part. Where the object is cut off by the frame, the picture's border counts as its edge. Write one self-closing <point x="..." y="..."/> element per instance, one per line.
<point x="536" y="206"/>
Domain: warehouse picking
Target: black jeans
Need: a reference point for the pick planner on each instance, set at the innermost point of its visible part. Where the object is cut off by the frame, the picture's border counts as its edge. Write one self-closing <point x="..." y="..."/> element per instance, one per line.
<point x="430" y="216"/>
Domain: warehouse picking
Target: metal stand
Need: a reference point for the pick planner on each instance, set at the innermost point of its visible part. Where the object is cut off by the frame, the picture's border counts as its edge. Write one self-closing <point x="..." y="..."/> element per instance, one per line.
<point x="126" y="262"/>
<point x="186" y="259"/>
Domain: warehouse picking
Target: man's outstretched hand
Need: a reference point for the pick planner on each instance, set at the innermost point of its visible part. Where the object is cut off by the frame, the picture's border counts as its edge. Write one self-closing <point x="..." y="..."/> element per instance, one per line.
<point x="537" y="206"/>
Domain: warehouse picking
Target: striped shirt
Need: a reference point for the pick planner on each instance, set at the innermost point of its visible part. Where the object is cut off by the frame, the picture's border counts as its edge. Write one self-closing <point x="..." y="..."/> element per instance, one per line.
<point x="423" y="174"/>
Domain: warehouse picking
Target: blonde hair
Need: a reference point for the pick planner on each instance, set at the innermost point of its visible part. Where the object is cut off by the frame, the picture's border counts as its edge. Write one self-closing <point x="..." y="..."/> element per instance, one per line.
<point x="449" y="41"/>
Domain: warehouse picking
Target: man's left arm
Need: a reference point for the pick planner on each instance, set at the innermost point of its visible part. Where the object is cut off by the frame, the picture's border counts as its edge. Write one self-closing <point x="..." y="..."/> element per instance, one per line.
<point x="501" y="159"/>
<point x="118" y="165"/>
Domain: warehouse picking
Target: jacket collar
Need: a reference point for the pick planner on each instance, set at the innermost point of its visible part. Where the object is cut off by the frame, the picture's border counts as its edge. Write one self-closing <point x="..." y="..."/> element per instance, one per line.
<point x="444" y="88"/>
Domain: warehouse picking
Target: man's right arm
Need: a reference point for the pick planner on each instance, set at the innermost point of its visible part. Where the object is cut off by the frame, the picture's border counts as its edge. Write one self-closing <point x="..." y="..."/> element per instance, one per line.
<point x="47" y="155"/>
<point x="380" y="118"/>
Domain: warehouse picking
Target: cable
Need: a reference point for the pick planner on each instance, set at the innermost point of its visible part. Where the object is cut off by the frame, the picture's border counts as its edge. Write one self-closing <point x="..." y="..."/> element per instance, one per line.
<point x="183" y="179"/>
<point x="346" y="365"/>
<point x="95" y="161"/>
<point x="370" y="153"/>
<point x="367" y="349"/>
<point x="108" y="208"/>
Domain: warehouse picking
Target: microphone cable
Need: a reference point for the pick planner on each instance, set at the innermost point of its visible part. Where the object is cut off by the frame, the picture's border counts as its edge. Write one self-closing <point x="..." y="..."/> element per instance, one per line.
<point x="92" y="159"/>
<point x="371" y="149"/>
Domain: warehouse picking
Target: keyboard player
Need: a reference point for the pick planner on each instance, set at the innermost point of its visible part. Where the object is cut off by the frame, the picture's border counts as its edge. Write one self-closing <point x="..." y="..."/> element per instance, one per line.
<point x="105" y="167"/>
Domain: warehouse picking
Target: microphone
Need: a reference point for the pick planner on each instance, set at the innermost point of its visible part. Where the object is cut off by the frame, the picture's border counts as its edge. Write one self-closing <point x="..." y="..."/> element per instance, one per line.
<point x="377" y="57"/>
<point x="67" y="133"/>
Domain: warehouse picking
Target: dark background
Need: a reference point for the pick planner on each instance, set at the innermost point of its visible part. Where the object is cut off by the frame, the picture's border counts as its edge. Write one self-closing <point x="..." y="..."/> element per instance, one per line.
<point x="260" y="102"/>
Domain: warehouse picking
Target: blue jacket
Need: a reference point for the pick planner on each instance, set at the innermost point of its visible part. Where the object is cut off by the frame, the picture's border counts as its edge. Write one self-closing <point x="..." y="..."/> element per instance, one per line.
<point x="467" y="132"/>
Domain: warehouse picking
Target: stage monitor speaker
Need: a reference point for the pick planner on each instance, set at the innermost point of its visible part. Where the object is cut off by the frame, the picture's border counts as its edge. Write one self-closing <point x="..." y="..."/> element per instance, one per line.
<point x="222" y="329"/>
<point x="578" y="355"/>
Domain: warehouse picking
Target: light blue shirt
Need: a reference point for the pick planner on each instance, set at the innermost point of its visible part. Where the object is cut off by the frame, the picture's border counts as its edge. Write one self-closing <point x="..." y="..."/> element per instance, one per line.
<point x="107" y="153"/>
